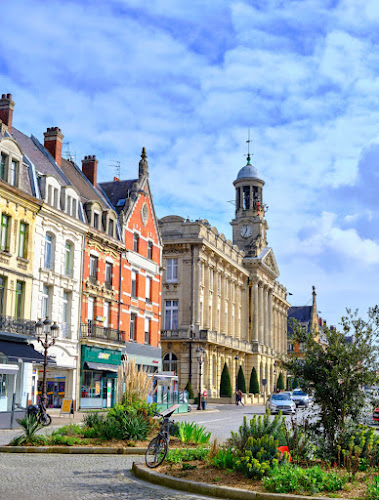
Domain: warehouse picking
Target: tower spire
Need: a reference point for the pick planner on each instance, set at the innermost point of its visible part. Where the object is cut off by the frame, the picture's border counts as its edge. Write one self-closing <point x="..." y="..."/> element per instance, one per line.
<point x="143" y="164"/>
<point x="248" y="147"/>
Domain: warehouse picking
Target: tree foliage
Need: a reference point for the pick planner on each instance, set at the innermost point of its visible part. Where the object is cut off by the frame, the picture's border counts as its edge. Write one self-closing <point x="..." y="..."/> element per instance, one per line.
<point x="280" y="382"/>
<point x="225" y="385"/>
<point x="241" y="383"/>
<point x="254" y="384"/>
<point x="336" y="372"/>
<point x="189" y="389"/>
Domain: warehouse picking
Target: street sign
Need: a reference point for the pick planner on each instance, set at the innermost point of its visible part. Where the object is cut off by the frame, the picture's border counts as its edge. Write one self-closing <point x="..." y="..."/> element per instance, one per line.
<point x="264" y="381"/>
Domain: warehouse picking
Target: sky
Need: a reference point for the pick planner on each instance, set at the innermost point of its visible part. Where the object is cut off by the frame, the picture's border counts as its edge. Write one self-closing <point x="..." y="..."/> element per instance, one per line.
<point x="187" y="80"/>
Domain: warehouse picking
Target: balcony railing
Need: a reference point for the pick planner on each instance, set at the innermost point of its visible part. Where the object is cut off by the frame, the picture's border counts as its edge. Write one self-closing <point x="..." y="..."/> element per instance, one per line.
<point x="92" y="331"/>
<point x="14" y="325"/>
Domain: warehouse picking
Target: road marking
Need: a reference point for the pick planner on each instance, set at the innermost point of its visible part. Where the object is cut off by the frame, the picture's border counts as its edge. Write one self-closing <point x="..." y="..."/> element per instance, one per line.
<point x="216" y="420"/>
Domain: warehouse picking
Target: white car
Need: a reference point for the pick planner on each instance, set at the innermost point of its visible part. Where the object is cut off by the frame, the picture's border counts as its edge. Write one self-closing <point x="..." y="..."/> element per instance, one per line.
<point x="281" y="402"/>
<point x="300" y="398"/>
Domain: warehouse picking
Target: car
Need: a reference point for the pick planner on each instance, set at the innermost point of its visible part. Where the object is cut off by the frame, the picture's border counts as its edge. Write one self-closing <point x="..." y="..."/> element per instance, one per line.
<point x="301" y="398"/>
<point x="280" y="402"/>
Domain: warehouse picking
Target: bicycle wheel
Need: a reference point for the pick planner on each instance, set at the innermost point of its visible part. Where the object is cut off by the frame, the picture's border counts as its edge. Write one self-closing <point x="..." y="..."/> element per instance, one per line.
<point x="45" y="419"/>
<point x="156" y="452"/>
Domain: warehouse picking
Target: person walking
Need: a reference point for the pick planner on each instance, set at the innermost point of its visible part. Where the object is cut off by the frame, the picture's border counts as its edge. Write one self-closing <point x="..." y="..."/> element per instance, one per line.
<point x="240" y="394"/>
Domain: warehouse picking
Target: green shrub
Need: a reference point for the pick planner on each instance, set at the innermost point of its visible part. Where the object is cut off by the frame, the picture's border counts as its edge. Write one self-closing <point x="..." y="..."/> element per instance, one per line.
<point x="293" y="479"/>
<point x="30" y="426"/>
<point x="187" y="454"/>
<point x="299" y="440"/>
<point x="258" y="456"/>
<point x="254" y="384"/>
<point x="258" y="427"/>
<point x="69" y="430"/>
<point x="280" y="382"/>
<point x="373" y="490"/>
<point x="189" y="389"/>
<point x="189" y="432"/>
<point x="94" y="419"/>
<point x="241" y="383"/>
<point x="225" y="385"/>
<point x="224" y="458"/>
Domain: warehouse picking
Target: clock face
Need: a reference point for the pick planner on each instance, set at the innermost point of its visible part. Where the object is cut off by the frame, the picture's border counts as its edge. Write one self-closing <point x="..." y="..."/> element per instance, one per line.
<point x="246" y="231"/>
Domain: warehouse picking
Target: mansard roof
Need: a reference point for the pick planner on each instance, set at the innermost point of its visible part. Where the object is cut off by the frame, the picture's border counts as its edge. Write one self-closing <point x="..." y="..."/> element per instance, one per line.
<point x="118" y="192"/>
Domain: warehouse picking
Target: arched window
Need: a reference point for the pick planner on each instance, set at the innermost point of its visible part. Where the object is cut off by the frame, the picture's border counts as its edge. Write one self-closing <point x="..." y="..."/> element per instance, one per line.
<point x="69" y="250"/>
<point x="49" y="249"/>
<point x="170" y="362"/>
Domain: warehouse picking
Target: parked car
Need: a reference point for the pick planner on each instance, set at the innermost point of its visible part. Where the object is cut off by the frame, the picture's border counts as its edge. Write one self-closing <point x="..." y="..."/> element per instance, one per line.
<point x="301" y="398"/>
<point x="281" y="402"/>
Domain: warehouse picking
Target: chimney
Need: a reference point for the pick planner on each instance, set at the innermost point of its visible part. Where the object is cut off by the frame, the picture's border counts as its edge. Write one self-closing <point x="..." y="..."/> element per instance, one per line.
<point x="53" y="143"/>
<point x="6" y="110"/>
<point x="89" y="168"/>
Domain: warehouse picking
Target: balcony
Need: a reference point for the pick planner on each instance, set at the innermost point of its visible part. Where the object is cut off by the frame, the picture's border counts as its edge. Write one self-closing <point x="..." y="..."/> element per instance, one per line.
<point x="93" y="331"/>
<point x="13" y="325"/>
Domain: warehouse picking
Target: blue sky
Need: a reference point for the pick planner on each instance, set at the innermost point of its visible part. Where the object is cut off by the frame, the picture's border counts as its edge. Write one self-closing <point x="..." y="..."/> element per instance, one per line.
<point x="186" y="80"/>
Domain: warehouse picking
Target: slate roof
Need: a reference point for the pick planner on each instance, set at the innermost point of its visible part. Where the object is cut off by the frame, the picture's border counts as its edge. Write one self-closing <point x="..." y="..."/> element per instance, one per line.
<point x="117" y="192"/>
<point x="302" y="314"/>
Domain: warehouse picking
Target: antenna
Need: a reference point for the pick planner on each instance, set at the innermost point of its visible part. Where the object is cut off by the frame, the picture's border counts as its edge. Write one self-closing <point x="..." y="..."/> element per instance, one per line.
<point x="69" y="155"/>
<point x="116" y="165"/>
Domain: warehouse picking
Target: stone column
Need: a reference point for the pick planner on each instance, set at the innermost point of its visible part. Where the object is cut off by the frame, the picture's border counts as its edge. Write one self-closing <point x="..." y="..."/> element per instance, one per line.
<point x="270" y="327"/>
<point x="254" y="312"/>
<point x="265" y="298"/>
<point x="260" y="313"/>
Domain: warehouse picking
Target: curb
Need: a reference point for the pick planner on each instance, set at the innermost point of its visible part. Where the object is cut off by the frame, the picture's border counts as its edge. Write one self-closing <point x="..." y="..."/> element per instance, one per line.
<point x="73" y="450"/>
<point x="212" y="490"/>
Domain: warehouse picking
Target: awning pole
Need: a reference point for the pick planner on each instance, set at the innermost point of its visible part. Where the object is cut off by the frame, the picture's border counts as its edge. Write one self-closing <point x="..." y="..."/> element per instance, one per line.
<point x="13" y="399"/>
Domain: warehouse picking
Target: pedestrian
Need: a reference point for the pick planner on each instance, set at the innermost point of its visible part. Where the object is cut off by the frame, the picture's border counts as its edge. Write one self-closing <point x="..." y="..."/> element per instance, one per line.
<point x="237" y="397"/>
<point x="240" y="393"/>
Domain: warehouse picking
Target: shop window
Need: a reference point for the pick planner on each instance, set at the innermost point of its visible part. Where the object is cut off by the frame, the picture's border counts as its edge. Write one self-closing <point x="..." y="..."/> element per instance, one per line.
<point x="147" y="330"/>
<point x="13" y="177"/>
<point x="170" y="362"/>
<point x="68" y="259"/>
<point x="23" y="240"/>
<point x="148" y="288"/>
<point x="66" y="320"/>
<point x="134" y="285"/>
<point x="91" y="384"/>
<point x="108" y="275"/>
<point x="3" y="167"/>
<point x="48" y="264"/>
<point x="5" y="233"/>
<point x="93" y="260"/>
<point x="135" y="242"/>
<point x="150" y="250"/>
<point x="20" y="292"/>
<point x="171" y="315"/>
<point x="133" y="325"/>
<point x="172" y="270"/>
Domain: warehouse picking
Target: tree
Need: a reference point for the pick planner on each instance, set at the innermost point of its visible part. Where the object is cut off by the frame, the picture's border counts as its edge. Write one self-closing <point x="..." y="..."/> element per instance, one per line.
<point x="280" y="382"/>
<point x="336" y="372"/>
<point x="241" y="383"/>
<point x="225" y="385"/>
<point x="254" y="384"/>
<point x="189" y="389"/>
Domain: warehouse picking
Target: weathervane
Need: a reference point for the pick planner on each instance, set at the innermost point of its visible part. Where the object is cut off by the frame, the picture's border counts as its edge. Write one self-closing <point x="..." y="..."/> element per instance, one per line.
<point x="248" y="146"/>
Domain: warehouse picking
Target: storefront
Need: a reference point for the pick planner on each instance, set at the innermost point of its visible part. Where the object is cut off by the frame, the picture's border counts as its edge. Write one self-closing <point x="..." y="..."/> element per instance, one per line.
<point x="98" y="377"/>
<point x="147" y="357"/>
<point x="56" y="387"/>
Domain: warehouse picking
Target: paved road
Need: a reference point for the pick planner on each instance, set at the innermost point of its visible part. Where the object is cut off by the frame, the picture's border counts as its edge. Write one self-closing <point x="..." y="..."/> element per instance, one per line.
<point x="76" y="477"/>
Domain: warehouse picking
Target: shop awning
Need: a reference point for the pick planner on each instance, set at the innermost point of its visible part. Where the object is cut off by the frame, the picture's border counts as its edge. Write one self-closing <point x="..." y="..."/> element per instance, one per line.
<point x="104" y="367"/>
<point x="20" y="350"/>
<point x="8" y="369"/>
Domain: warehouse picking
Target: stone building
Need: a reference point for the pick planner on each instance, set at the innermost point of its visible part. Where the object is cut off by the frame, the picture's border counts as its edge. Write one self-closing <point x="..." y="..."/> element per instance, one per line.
<point x="223" y="296"/>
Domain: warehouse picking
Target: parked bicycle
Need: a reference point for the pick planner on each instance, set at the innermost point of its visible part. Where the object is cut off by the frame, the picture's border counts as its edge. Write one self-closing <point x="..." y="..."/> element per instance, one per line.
<point x="39" y="411"/>
<point x="158" y="447"/>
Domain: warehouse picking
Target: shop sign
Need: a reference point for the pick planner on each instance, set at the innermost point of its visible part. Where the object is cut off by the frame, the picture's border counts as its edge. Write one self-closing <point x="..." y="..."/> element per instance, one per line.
<point x="104" y="355"/>
<point x="66" y="406"/>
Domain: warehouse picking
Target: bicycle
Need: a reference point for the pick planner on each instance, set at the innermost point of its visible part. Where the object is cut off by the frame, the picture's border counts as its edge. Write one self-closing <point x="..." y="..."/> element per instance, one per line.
<point x="158" y="447"/>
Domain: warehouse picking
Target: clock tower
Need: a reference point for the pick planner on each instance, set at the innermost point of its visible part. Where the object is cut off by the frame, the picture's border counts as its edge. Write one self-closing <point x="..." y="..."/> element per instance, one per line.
<point x="249" y="224"/>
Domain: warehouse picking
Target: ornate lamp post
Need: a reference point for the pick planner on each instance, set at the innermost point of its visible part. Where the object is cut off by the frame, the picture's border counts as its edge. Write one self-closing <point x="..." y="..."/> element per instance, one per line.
<point x="46" y="331"/>
<point x="200" y="358"/>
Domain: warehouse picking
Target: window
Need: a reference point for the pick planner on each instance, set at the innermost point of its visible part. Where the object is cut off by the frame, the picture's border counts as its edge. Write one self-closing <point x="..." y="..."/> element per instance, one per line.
<point x="3" y="166"/>
<point x="50" y="195"/>
<point x="45" y="301"/>
<point x="210" y="279"/>
<point x="48" y="251"/>
<point x="111" y="227"/>
<point x="68" y="259"/>
<point x="55" y="197"/>
<point x="170" y="362"/>
<point x="171" y="315"/>
<point x="5" y="231"/>
<point x="23" y="240"/>
<point x="133" y="320"/>
<point x="68" y="207"/>
<point x="96" y="218"/>
<point x="91" y="309"/>
<point x="66" y="314"/>
<point x="108" y="275"/>
<point x="148" y="288"/>
<point x="134" y="284"/>
<point x="20" y="287"/>
<point x="14" y="173"/>
<point x="246" y="197"/>
<point x="135" y="242"/>
<point x="91" y="384"/>
<point x="3" y="282"/>
<point x="150" y="250"/>
<point x="106" y="314"/>
<point x="93" y="268"/>
<point x="74" y="207"/>
<point x="172" y="270"/>
<point x="147" y="331"/>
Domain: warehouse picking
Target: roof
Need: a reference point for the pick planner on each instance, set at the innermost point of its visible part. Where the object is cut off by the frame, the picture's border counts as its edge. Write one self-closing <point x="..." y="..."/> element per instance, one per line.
<point x="118" y="192"/>
<point x="300" y="313"/>
<point x="248" y="172"/>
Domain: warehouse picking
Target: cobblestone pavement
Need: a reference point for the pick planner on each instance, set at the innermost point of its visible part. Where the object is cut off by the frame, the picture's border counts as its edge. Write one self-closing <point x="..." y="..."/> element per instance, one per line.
<point x="77" y="477"/>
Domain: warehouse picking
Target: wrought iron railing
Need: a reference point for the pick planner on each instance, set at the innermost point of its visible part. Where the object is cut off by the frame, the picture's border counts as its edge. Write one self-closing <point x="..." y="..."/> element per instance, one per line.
<point x="16" y="325"/>
<point x="92" y="331"/>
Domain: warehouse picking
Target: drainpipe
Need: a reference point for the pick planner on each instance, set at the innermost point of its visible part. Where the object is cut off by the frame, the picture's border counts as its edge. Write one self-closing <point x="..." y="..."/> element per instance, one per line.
<point x="119" y="294"/>
<point x="191" y="324"/>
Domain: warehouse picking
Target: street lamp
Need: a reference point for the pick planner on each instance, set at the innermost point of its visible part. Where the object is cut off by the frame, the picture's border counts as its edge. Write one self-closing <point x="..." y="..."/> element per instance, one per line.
<point x="236" y="358"/>
<point x="200" y="358"/>
<point x="45" y="330"/>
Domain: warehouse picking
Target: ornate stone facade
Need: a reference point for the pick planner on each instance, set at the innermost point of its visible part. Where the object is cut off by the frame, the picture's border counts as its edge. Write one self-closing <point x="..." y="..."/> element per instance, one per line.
<point x="223" y="297"/>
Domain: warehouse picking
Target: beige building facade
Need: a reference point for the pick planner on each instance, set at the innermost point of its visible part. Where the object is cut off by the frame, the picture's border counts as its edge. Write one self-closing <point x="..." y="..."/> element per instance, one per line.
<point x="223" y="296"/>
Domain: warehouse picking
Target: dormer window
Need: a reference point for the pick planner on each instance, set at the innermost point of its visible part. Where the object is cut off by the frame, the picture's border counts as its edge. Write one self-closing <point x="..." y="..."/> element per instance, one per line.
<point x="13" y="177"/>
<point x="111" y="227"/>
<point x="73" y="208"/>
<point x="96" y="220"/>
<point x="3" y="166"/>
